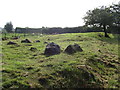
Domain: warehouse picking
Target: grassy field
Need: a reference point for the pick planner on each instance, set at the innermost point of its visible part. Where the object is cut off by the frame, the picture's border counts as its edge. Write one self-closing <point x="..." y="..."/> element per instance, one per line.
<point x="96" y="66"/>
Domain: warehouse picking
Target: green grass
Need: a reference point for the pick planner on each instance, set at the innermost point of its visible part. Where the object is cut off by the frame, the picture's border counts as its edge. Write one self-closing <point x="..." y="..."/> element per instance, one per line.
<point x="96" y="66"/>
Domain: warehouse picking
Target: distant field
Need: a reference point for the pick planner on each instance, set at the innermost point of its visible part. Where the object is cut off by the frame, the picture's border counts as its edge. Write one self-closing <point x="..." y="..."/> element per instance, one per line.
<point x="96" y="66"/>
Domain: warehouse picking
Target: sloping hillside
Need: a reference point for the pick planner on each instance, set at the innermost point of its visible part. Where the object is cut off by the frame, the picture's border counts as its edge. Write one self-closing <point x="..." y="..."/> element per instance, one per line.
<point x="96" y="66"/>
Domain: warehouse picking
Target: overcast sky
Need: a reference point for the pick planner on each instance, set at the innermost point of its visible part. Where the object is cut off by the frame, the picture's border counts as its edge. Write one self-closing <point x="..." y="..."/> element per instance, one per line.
<point x="47" y="13"/>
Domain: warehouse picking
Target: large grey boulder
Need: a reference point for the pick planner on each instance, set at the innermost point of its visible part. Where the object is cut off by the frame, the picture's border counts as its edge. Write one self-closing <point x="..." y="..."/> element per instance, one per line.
<point x="73" y="48"/>
<point x="52" y="49"/>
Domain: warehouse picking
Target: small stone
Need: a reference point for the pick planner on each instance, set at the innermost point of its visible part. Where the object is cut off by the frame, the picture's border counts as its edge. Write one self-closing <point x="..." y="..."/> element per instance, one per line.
<point x="99" y="50"/>
<point x="37" y="41"/>
<point x="45" y="42"/>
<point x="33" y="49"/>
<point x="48" y="39"/>
<point x="26" y="41"/>
<point x="11" y="43"/>
<point x="29" y="68"/>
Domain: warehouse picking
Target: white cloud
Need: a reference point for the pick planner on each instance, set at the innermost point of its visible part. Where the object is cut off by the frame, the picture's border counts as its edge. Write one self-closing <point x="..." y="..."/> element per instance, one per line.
<point x="50" y="13"/>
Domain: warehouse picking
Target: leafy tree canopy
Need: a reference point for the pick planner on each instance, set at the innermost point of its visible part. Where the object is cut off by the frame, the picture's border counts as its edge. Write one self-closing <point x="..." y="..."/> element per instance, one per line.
<point x="8" y="27"/>
<point x="115" y="10"/>
<point x="103" y="17"/>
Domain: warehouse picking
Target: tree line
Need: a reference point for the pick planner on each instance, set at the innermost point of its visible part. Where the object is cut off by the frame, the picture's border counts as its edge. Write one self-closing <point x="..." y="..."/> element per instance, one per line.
<point x="104" y="18"/>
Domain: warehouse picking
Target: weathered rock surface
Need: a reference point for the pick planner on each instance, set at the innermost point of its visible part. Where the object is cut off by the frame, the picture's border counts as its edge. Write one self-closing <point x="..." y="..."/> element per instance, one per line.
<point x="37" y="41"/>
<point x="45" y="42"/>
<point x="26" y="41"/>
<point x="52" y="49"/>
<point x="11" y="43"/>
<point x="16" y="37"/>
<point x="73" y="48"/>
<point x="33" y="49"/>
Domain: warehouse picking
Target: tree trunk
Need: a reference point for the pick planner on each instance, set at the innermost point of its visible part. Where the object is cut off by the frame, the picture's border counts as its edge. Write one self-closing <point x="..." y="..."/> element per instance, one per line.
<point x="104" y="27"/>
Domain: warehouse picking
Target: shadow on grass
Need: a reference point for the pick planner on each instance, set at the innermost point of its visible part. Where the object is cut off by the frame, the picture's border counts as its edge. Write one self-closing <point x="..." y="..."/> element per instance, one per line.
<point x="75" y="78"/>
<point x="114" y="38"/>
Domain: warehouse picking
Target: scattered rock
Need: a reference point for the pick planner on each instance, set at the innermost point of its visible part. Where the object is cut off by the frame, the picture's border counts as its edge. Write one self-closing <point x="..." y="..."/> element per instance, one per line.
<point x="5" y="71"/>
<point x="52" y="49"/>
<point x="26" y="41"/>
<point x="99" y="50"/>
<point x="48" y="39"/>
<point x="70" y="49"/>
<point x="77" y="47"/>
<point x="11" y="43"/>
<point x="37" y="41"/>
<point x="73" y="48"/>
<point x="29" y="68"/>
<point x="49" y="65"/>
<point x="14" y="38"/>
<point x="45" y="42"/>
<point x="33" y="49"/>
<point x="35" y="55"/>
<point x="64" y="61"/>
<point x="4" y="39"/>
